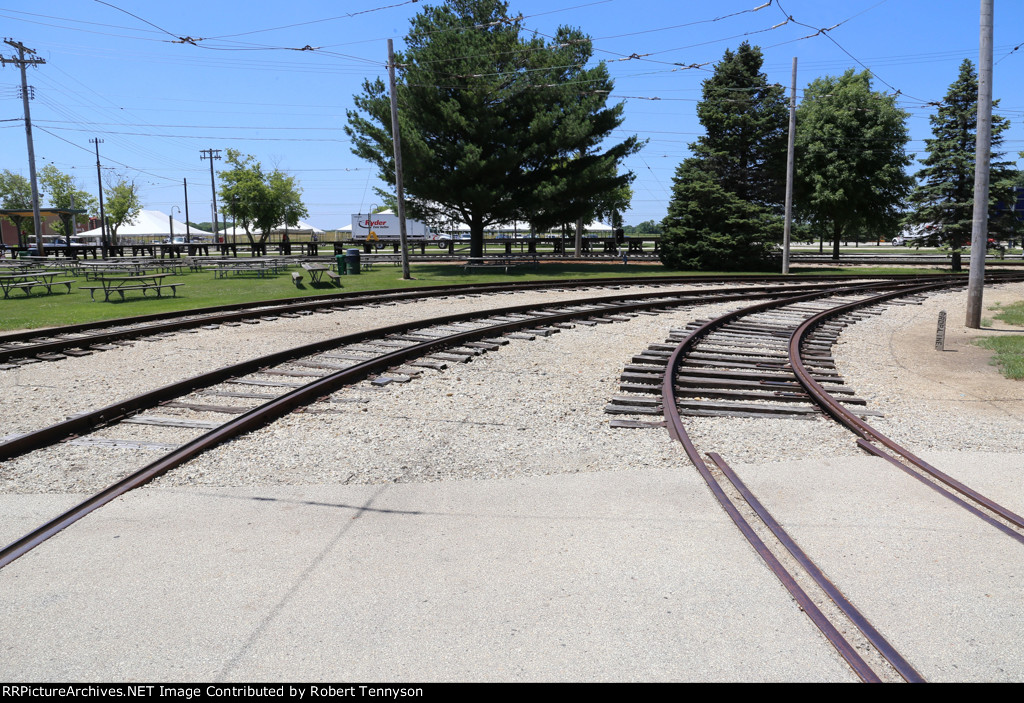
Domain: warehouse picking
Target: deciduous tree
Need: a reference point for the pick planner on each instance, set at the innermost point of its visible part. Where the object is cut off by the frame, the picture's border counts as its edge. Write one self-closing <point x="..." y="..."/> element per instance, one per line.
<point x="16" y="194"/>
<point x="61" y="190"/>
<point x="121" y="204"/>
<point x="259" y="200"/>
<point x="851" y="158"/>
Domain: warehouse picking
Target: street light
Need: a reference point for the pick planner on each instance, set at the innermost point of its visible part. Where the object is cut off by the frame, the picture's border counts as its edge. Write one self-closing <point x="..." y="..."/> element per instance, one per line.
<point x="171" y="218"/>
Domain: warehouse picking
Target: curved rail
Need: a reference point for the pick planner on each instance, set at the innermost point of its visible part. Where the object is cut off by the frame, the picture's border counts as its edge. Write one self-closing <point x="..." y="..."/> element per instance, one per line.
<point x="844" y="417"/>
<point x="106" y="331"/>
<point x="304" y="395"/>
<point x="678" y="432"/>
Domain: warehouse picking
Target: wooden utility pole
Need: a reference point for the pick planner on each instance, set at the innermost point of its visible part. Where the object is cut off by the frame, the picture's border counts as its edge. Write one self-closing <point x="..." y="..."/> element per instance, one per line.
<point x="396" y="138"/>
<point x="213" y="154"/>
<point x="21" y="62"/>
<point x="982" y="160"/>
<point x="99" y="187"/>
<point x="188" y="226"/>
<point x="790" y="161"/>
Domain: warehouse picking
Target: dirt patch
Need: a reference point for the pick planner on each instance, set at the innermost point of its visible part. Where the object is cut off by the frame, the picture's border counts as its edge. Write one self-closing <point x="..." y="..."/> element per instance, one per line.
<point x="962" y="370"/>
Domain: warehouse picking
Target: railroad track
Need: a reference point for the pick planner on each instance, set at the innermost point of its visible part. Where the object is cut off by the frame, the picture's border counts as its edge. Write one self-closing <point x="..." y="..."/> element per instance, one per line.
<point x="307" y="376"/>
<point x="773" y="359"/>
<point x="52" y="344"/>
<point x="295" y="378"/>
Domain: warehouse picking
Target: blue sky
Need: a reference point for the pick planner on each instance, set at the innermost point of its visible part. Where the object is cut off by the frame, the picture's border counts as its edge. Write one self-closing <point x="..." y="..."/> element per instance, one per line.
<point x="156" y="102"/>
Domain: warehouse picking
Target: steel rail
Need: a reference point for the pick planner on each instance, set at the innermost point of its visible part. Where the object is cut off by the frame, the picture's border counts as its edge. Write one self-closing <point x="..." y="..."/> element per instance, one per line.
<point x="416" y="292"/>
<point x="173" y="321"/>
<point x="258" y="417"/>
<point x="678" y="432"/>
<point x="87" y="422"/>
<point x="844" y="417"/>
<point x="287" y="402"/>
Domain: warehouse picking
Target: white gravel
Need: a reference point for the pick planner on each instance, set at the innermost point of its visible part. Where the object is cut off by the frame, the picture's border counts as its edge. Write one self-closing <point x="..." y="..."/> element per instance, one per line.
<point x="39" y="394"/>
<point x="534" y="407"/>
<point x="952" y="400"/>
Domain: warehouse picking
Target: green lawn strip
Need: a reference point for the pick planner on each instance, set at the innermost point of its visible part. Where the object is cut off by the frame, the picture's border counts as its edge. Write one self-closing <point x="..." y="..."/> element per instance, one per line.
<point x="201" y="289"/>
<point x="1009" y="354"/>
<point x="1012" y="314"/>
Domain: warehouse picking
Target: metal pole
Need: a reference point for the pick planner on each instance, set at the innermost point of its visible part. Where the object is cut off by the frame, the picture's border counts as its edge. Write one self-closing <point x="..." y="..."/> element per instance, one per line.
<point x="22" y="63"/>
<point x="790" y="161"/>
<point x="982" y="156"/>
<point x="396" y="138"/>
<point x="188" y="227"/>
<point x="99" y="185"/>
<point x="212" y="154"/>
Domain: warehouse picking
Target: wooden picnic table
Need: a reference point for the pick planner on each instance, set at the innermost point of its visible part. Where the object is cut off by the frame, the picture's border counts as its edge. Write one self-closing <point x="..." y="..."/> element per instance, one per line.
<point x="261" y="267"/>
<point x="502" y="262"/>
<point x="318" y="271"/>
<point x="26" y="280"/>
<point x="122" y="284"/>
<point x="137" y="267"/>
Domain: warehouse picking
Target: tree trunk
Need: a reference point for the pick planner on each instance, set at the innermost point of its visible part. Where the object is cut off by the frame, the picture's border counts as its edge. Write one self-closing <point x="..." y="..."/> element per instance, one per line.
<point x="476" y="239"/>
<point x="837" y="233"/>
<point x="956" y="264"/>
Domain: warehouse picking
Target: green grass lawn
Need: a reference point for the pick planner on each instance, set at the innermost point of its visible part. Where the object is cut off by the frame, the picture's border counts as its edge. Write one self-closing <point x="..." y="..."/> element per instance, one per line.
<point x="1009" y="354"/>
<point x="1012" y="314"/>
<point x="1009" y="350"/>
<point x="203" y="290"/>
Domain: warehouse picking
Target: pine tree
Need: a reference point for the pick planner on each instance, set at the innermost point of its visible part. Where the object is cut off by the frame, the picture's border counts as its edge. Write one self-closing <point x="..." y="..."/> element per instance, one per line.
<point x="944" y="194"/>
<point x="495" y="126"/>
<point x="727" y="198"/>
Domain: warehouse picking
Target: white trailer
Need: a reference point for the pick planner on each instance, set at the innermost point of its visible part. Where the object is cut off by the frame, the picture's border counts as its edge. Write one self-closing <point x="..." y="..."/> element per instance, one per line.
<point x="383" y="227"/>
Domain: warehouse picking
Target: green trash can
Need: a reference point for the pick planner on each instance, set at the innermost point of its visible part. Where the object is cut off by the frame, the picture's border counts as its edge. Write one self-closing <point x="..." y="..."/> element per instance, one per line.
<point x="340" y="259"/>
<point x="352" y="260"/>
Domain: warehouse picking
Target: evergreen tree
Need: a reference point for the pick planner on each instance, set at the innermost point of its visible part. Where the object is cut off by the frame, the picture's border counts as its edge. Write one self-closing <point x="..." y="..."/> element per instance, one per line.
<point x="944" y="194"/>
<point x="727" y="198"/>
<point x="851" y="158"/>
<point x="494" y="127"/>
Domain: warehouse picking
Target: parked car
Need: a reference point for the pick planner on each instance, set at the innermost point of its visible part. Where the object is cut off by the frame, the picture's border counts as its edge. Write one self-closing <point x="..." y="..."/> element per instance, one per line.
<point x="194" y="239"/>
<point x="914" y="234"/>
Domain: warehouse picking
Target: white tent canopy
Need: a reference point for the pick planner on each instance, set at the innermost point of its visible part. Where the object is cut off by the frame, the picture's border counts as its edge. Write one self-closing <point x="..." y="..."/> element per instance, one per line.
<point x="300" y="228"/>
<point x="148" y="223"/>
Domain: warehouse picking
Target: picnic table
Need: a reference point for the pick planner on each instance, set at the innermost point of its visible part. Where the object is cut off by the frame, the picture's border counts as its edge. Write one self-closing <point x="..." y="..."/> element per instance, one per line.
<point x="318" y="271"/>
<point x="502" y="262"/>
<point x="260" y="267"/>
<point x="122" y="284"/>
<point x="26" y="280"/>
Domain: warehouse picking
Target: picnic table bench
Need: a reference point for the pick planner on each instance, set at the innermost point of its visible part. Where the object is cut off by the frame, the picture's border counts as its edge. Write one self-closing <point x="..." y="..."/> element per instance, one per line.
<point x="122" y="284"/>
<point x="223" y="271"/>
<point x="25" y="281"/>
<point x="318" y="271"/>
<point x="506" y="262"/>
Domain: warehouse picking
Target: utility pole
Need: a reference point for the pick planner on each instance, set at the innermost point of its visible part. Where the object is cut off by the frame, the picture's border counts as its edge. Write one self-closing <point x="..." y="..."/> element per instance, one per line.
<point x="99" y="185"/>
<point x="982" y="156"/>
<point x="188" y="227"/>
<point x="396" y="138"/>
<point x="21" y="62"/>
<point x="212" y="154"/>
<point x="790" y="162"/>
